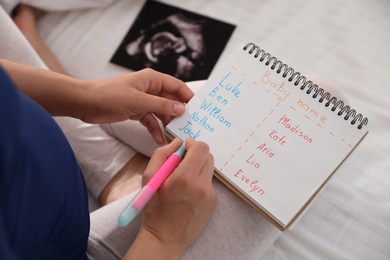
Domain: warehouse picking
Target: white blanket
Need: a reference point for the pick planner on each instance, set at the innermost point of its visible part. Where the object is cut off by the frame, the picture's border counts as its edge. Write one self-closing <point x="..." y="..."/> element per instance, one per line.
<point x="344" y="42"/>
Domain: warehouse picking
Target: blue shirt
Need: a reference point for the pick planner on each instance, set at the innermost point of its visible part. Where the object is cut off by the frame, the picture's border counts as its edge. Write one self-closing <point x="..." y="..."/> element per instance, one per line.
<point x="43" y="197"/>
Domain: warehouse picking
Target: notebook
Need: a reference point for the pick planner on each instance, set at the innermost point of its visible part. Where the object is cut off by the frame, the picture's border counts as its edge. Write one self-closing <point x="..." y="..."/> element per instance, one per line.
<point x="276" y="136"/>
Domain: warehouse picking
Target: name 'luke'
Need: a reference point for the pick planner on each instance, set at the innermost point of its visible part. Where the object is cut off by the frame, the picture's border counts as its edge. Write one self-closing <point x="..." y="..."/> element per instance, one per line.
<point x="235" y="90"/>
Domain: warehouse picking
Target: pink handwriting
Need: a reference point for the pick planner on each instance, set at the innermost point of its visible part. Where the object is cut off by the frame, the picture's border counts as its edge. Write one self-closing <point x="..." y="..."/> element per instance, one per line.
<point x="281" y="92"/>
<point x="263" y="148"/>
<point x="294" y="128"/>
<point x="252" y="161"/>
<point x="252" y="184"/>
<point x="278" y="138"/>
<point x="311" y="111"/>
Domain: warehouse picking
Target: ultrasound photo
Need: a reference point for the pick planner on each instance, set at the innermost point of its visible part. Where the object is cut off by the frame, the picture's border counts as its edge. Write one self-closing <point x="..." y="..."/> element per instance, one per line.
<point x="168" y="39"/>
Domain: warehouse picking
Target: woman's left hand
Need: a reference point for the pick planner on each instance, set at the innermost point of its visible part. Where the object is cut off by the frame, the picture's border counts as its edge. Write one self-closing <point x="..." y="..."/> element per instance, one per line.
<point x="142" y="96"/>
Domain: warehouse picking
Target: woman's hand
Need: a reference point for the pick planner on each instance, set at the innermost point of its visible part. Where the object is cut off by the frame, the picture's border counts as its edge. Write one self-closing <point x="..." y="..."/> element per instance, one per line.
<point x="135" y="96"/>
<point x="142" y="96"/>
<point x="180" y="210"/>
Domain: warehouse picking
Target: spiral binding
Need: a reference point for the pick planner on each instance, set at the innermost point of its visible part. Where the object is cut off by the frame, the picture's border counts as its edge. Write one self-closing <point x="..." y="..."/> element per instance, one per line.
<point x="298" y="78"/>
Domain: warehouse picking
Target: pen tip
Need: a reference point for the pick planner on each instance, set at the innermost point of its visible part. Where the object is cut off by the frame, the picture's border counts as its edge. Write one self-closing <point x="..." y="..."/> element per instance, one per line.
<point x="181" y="150"/>
<point x="122" y="222"/>
<point x="127" y="216"/>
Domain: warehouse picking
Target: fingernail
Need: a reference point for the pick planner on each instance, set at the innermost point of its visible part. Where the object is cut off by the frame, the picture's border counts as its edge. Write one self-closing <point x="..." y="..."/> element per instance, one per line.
<point x="178" y="108"/>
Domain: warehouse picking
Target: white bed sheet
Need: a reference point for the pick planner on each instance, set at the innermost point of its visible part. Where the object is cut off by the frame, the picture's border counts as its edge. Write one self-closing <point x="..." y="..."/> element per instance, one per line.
<point x="344" y="42"/>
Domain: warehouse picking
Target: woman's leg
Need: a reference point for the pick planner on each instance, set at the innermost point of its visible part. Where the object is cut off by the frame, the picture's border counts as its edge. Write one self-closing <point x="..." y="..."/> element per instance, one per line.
<point x="25" y="20"/>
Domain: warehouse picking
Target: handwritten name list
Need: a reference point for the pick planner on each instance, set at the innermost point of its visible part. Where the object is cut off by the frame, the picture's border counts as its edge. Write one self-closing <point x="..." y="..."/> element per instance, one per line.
<point x="267" y="136"/>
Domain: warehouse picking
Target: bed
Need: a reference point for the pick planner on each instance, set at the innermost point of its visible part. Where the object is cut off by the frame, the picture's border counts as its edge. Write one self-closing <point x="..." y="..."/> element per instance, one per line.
<point x="347" y="43"/>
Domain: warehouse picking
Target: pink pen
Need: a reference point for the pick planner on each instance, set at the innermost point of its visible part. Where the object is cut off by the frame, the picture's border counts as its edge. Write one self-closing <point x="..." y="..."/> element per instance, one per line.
<point x="146" y="193"/>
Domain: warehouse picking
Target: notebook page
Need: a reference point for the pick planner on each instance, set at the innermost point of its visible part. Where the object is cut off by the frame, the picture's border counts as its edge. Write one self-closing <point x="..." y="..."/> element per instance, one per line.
<point x="269" y="139"/>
